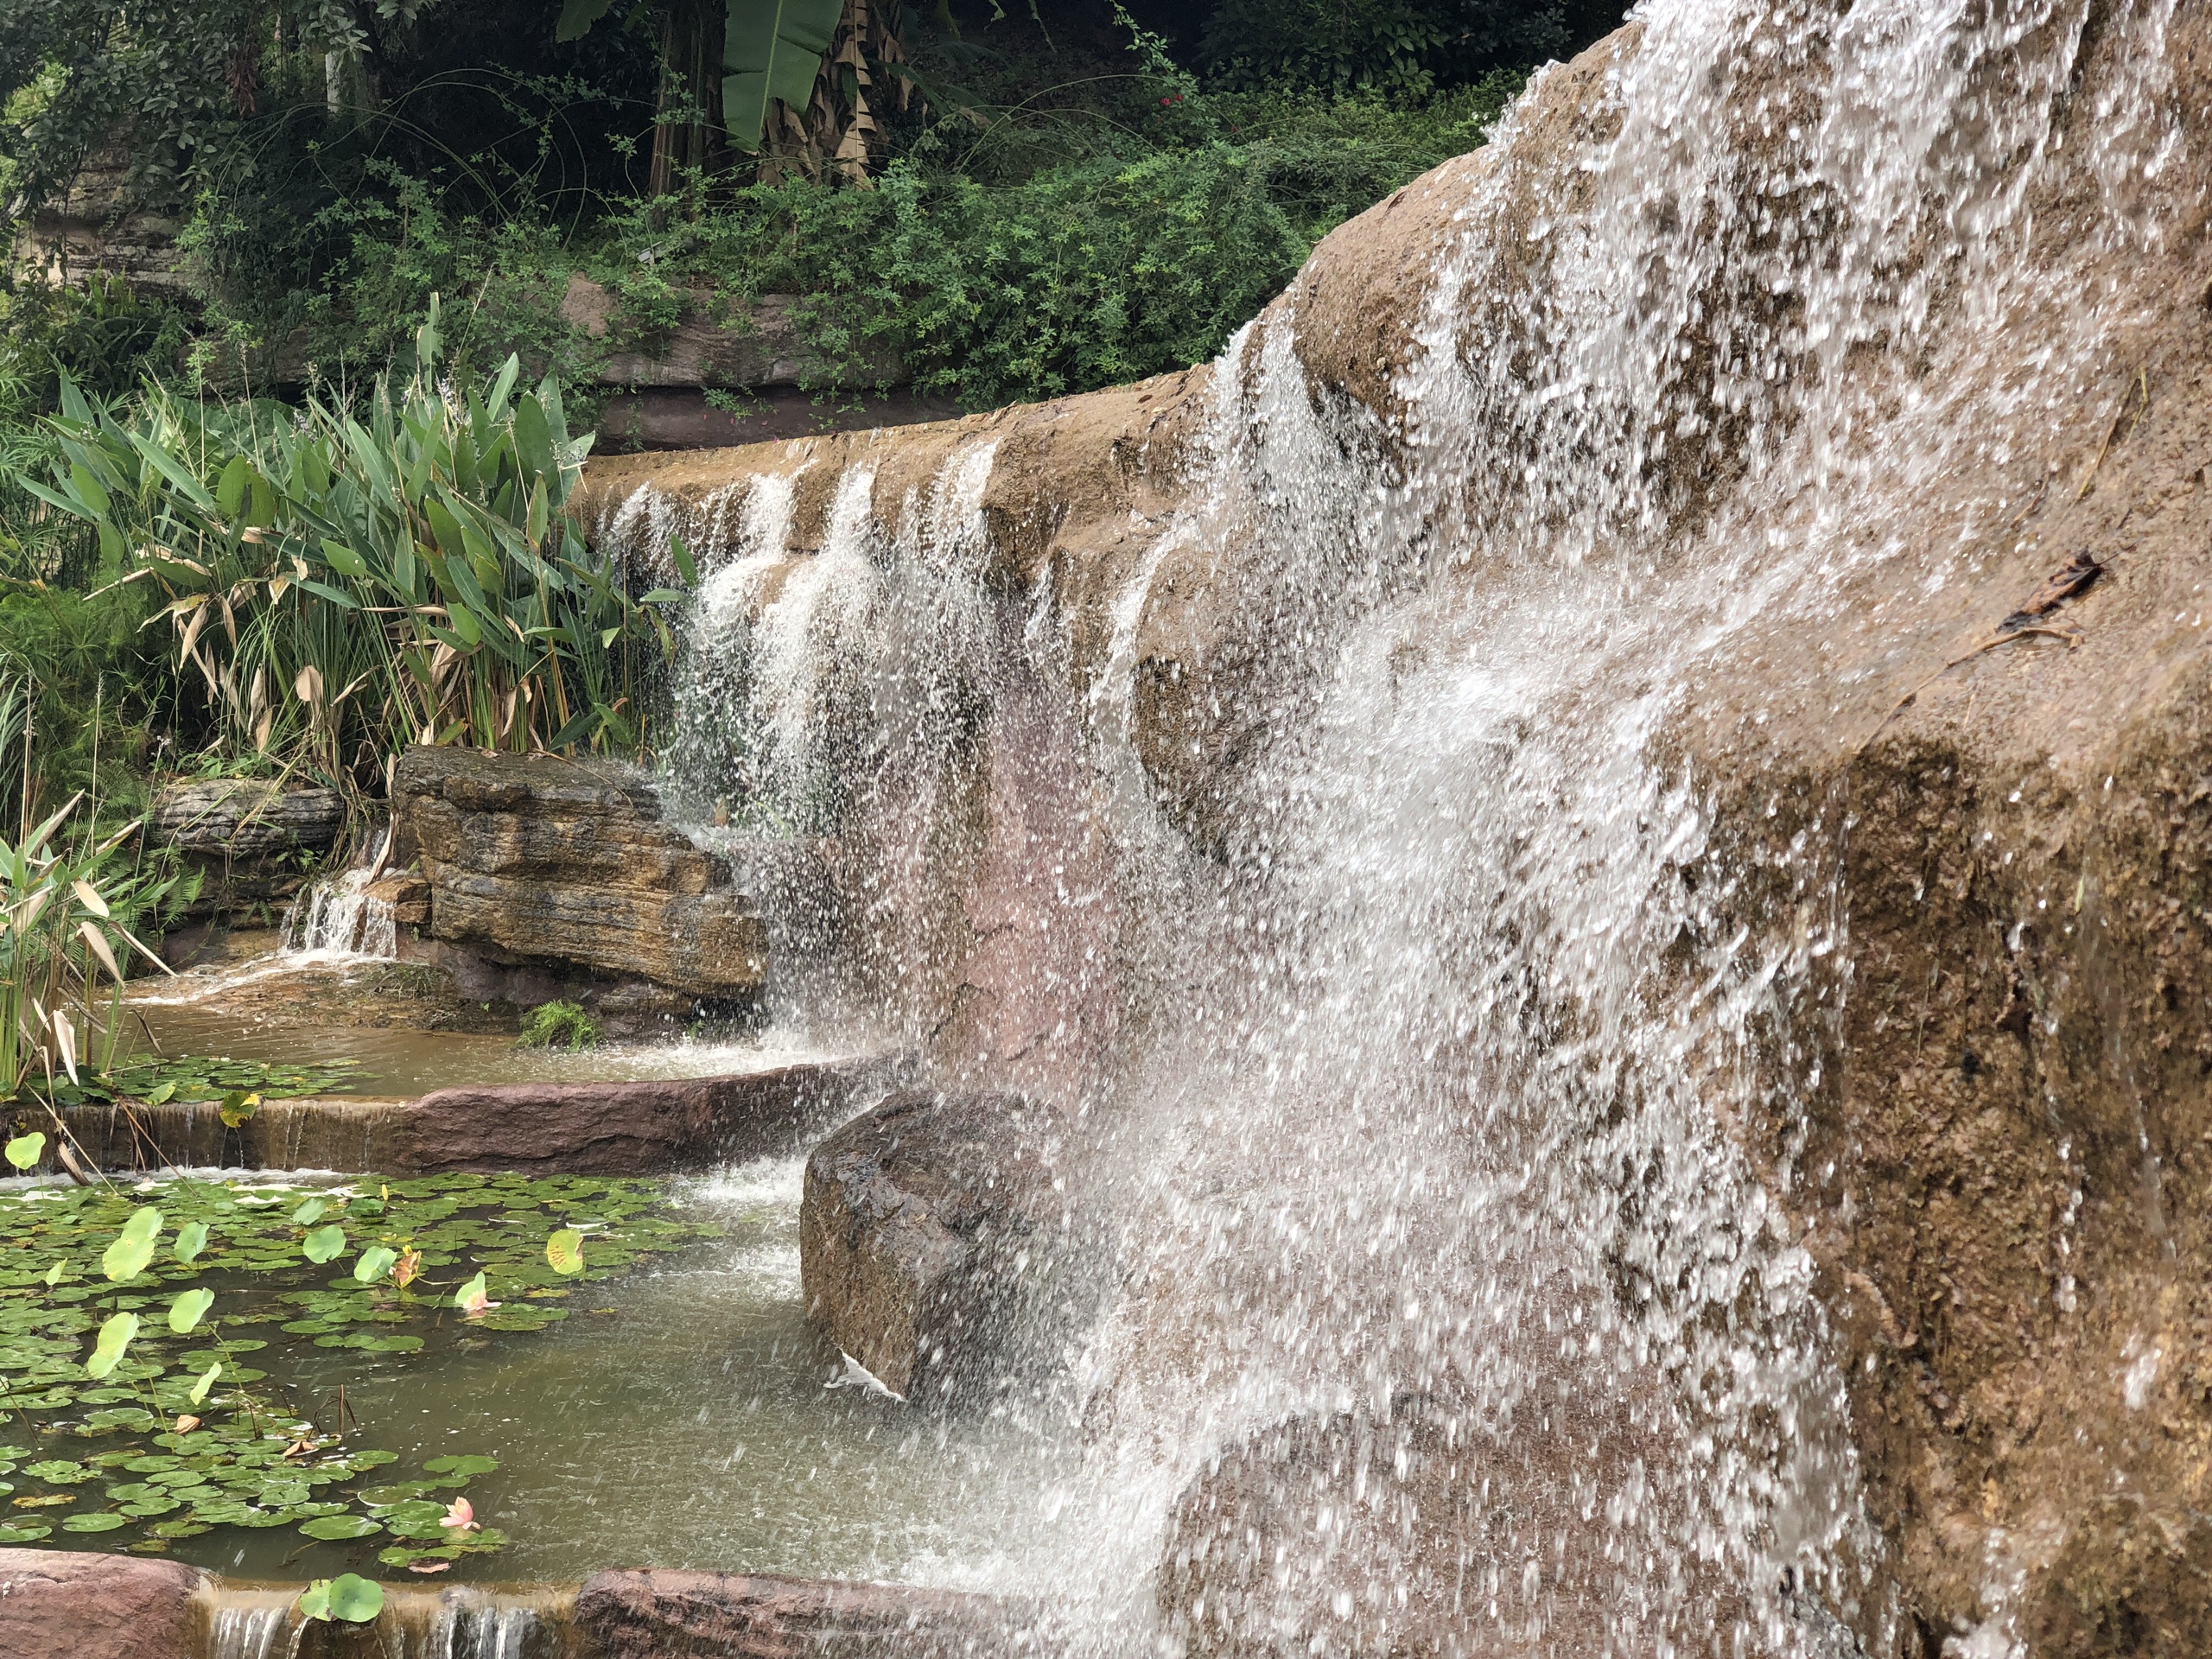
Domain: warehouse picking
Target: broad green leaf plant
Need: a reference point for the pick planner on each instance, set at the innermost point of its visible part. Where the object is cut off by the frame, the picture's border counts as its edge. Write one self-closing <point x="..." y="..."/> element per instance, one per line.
<point x="341" y="583"/>
<point x="63" y="942"/>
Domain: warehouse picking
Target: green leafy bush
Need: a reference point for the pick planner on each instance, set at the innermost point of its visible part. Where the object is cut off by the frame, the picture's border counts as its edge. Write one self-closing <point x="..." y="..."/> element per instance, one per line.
<point x="340" y="585"/>
<point x="558" y="1024"/>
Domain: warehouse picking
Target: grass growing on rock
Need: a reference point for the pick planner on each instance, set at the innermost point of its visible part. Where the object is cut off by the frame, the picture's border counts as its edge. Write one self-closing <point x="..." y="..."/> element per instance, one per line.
<point x="148" y="1341"/>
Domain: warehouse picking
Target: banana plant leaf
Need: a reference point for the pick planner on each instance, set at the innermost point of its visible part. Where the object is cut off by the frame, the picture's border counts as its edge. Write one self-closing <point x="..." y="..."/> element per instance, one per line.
<point x="772" y="49"/>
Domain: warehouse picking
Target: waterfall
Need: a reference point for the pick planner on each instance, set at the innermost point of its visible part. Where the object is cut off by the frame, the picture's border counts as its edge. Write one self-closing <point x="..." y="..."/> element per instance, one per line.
<point x="340" y="916"/>
<point x="460" y="1622"/>
<point x="1448" y="1069"/>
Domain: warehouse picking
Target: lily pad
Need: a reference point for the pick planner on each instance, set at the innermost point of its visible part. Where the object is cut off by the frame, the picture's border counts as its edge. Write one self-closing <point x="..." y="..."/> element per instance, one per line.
<point x="115" y="1337"/>
<point x="104" y="1521"/>
<point x="188" y="1309"/>
<point x="564" y="1251"/>
<point x="126" y="1258"/>
<point x="461" y="1464"/>
<point x="333" y="1527"/>
<point x="348" y="1599"/>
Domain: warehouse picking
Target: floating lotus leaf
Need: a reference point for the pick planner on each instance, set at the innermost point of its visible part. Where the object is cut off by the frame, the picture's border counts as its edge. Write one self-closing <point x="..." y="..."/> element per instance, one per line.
<point x="564" y="1251"/>
<point x="462" y="1465"/>
<point x="126" y="1258"/>
<point x="333" y="1527"/>
<point x="188" y="1309"/>
<point x="115" y="1336"/>
<point x="103" y="1522"/>
<point x="23" y="1532"/>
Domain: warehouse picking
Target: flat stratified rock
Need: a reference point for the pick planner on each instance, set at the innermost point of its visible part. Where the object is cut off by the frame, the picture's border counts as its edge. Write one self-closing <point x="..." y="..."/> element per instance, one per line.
<point x="537" y="859"/>
<point x="934" y="1246"/>
<point x="646" y="1127"/>
<point x="69" y="1604"/>
<point x="245" y="817"/>
<point x="640" y="1127"/>
<point x="652" y="1613"/>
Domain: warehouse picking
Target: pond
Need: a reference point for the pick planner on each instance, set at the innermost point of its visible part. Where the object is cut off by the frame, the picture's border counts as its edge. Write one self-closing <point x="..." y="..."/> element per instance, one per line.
<point x="669" y="1408"/>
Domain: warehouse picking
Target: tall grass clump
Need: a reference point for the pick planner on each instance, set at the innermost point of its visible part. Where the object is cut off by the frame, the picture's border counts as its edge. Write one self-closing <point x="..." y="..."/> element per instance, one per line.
<point x="341" y="582"/>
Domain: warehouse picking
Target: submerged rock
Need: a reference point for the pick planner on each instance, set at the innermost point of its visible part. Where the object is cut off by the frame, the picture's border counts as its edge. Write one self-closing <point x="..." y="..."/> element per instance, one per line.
<point x="936" y="1248"/>
<point x="536" y="860"/>
<point x="656" y="1613"/>
<point x="64" y="1605"/>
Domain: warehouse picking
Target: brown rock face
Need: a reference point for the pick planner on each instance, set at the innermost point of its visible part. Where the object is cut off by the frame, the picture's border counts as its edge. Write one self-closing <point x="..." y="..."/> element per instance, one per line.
<point x="645" y="1127"/>
<point x="623" y="1128"/>
<point x="933" y="1247"/>
<point x="658" y="1614"/>
<point x="63" y="1605"/>
<point x="537" y="859"/>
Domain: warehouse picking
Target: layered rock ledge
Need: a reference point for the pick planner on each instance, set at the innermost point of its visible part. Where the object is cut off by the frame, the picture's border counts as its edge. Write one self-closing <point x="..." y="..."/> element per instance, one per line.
<point x="643" y="1127"/>
<point x="545" y="861"/>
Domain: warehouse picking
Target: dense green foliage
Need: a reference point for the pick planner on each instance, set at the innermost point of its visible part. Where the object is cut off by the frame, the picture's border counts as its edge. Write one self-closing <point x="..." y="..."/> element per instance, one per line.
<point x="340" y="585"/>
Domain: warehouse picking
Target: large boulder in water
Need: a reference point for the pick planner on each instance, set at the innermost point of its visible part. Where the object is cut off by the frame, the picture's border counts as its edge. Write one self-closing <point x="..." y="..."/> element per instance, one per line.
<point x="936" y="1249"/>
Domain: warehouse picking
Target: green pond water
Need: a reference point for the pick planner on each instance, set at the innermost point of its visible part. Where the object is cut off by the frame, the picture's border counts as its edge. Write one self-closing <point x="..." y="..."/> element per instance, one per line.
<point x="399" y="1061"/>
<point x="669" y="1409"/>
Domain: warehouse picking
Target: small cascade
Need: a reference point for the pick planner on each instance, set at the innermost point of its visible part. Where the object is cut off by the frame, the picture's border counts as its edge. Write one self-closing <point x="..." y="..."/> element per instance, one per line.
<point x="340" y="916"/>
<point x="251" y="1625"/>
<point x="454" y="1622"/>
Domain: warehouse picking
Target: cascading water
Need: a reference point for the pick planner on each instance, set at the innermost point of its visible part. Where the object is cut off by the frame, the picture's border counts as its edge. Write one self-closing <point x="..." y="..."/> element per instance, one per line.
<point x="339" y="916"/>
<point x="247" y="1622"/>
<point x="1416" y="1074"/>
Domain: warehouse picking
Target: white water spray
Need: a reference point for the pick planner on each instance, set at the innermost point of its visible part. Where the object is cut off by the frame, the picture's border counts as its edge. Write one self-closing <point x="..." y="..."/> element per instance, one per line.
<point x="1419" y="1078"/>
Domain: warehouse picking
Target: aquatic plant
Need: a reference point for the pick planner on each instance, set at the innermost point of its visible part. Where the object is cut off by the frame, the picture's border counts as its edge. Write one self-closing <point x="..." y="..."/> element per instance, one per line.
<point x="558" y="1024"/>
<point x="176" y="1403"/>
<point x="194" y="1078"/>
<point x="62" y="935"/>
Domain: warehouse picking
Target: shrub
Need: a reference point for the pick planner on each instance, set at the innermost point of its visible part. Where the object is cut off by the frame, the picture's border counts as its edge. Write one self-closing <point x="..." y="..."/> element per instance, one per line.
<point x="558" y="1024"/>
<point x="340" y="586"/>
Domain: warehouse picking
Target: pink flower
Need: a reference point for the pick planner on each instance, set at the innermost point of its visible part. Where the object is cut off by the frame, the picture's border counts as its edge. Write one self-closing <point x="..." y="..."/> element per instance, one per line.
<point x="460" y="1516"/>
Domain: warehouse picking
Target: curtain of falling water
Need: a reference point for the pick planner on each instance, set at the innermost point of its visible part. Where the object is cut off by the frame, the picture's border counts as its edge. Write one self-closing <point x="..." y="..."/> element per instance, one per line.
<point x="1417" y="1097"/>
